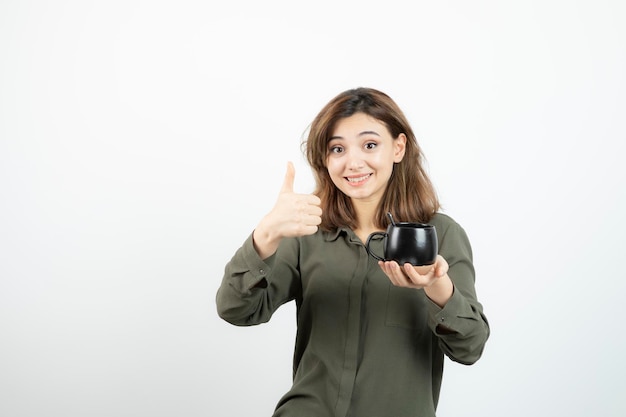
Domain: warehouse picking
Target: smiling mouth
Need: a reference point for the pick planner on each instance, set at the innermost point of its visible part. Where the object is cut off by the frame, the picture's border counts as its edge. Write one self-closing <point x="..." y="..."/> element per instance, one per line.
<point x="359" y="179"/>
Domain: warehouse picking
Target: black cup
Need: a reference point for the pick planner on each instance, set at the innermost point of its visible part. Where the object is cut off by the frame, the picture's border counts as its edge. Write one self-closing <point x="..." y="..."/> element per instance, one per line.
<point x="404" y="242"/>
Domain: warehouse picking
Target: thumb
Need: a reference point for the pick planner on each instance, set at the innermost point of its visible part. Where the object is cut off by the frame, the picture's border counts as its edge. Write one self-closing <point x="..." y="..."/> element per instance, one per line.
<point x="289" y="177"/>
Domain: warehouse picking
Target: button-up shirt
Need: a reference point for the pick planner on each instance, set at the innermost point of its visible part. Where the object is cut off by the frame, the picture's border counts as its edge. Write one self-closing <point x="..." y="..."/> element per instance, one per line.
<point x="364" y="347"/>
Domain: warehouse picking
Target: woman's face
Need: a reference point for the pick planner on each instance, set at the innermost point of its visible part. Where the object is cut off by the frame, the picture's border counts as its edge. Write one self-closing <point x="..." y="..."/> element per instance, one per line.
<point x="361" y="154"/>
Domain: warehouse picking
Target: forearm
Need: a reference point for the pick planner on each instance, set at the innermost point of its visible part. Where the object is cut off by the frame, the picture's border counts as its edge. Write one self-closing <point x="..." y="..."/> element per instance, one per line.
<point x="253" y="288"/>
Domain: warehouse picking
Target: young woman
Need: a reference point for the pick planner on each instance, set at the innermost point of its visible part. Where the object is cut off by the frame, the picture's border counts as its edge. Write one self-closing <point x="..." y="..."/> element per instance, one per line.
<point x="371" y="335"/>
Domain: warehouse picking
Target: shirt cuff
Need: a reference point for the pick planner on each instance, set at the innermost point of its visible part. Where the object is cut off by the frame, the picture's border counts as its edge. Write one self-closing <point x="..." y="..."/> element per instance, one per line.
<point x="453" y="316"/>
<point x="254" y="269"/>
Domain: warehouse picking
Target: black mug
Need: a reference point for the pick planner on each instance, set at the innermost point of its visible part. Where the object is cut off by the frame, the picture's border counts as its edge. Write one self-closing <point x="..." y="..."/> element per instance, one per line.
<point x="405" y="242"/>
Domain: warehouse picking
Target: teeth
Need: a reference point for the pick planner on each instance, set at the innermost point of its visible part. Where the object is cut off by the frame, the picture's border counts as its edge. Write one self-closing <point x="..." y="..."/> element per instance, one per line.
<point x="358" y="178"/>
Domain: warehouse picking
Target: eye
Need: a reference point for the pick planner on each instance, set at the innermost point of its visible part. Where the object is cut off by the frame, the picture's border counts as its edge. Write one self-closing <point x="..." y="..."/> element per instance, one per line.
<point x="370" y="145"/>
<point x="335" y="149"/>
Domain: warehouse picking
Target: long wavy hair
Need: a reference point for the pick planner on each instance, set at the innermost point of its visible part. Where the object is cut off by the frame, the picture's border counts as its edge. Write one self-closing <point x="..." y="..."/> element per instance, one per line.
<point x="409" y="196"/>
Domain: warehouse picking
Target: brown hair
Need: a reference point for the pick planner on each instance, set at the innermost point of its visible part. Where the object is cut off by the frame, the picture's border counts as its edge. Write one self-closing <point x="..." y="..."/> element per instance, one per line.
<point x="410" y="195"/>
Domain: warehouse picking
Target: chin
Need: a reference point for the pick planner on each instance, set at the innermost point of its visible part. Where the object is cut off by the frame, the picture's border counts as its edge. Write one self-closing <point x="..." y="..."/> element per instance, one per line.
<point x="355" y="195"/>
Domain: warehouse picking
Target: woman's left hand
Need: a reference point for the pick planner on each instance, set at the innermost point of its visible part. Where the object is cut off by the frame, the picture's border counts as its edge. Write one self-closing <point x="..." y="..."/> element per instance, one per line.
<point x="432" y="278"/>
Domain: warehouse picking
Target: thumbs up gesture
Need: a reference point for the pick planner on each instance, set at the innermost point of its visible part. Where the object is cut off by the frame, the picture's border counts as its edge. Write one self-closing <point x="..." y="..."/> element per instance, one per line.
<point x="293" y="215"/>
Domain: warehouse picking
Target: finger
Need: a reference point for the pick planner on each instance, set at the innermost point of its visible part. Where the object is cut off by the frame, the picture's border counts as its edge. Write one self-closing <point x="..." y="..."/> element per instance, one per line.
<point x="393" y="272"/>
<point x="312" y="220"/>
<point x="312" y="210"/>
<point x="419" y="275"/>
<point x="411" y="274"/>
<point x="441" y="266"/>
<point x="424" y="270"/>
<point x="313" y="199"/>
<point x="308" y="230"/>
<point x="289" y="179"/>
<point x="385" y="267"/>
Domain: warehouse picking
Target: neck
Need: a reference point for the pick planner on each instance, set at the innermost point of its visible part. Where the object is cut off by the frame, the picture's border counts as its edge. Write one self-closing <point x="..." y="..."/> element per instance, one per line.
<point x="365" y="212"/>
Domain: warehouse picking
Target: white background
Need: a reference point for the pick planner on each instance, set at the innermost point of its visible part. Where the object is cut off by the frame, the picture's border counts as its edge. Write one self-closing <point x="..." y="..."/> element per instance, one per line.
<point x="141" y="141"/>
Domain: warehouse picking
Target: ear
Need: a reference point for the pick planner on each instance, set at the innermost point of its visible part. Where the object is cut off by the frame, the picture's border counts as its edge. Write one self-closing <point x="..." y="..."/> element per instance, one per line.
<point x="399" y="147"/>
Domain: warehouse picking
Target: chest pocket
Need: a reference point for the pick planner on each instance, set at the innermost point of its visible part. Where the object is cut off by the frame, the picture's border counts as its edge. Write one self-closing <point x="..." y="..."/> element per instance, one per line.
<point x="407" y="308"/>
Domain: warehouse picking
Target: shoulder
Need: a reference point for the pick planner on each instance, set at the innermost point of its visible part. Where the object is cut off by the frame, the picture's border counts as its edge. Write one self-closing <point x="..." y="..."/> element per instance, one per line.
<point x="443" y="221"/>
<point x="448" y="228"/>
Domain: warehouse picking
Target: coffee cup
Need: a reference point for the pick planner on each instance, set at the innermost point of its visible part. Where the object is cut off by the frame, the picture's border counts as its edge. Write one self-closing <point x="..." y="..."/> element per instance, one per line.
<point x="405" y="242"/>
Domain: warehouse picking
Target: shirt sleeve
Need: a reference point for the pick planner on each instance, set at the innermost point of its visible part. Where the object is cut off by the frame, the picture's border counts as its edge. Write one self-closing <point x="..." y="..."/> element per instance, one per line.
<point x="461" y="326"/>
<point x="252" y="289"/>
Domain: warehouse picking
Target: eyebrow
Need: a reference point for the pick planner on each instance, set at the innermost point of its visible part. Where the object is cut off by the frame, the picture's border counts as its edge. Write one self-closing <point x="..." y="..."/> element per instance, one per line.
<point x="364" y="133"/>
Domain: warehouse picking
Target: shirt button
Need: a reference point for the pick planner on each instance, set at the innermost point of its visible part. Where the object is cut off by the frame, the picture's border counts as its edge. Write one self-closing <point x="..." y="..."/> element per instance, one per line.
<point x="262" y="271"/>
<point x="443" y="319"/>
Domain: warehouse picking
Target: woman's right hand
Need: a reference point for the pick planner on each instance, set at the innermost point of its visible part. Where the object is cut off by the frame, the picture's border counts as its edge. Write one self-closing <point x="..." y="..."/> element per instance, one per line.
<point x="293" y="215"/>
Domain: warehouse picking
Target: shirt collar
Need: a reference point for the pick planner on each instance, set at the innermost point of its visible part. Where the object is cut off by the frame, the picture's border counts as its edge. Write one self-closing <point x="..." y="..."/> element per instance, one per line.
<point x="334" y="234"/>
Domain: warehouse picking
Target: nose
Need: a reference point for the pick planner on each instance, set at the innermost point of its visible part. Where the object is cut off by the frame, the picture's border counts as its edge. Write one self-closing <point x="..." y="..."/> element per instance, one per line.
<point x="355" y="161"/>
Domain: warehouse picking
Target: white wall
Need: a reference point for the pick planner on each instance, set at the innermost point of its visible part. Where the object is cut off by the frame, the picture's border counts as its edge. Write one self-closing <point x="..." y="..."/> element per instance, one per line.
<point x="141" y="141"/>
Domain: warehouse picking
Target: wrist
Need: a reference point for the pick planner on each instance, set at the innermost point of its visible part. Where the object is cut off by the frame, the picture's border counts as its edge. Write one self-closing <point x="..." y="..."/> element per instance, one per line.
<point x="440" y="291"/>
<point x="265" y="241"/>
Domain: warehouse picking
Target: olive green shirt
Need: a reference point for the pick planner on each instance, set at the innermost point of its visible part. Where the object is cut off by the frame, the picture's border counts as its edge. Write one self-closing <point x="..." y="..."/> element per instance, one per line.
<point x="364" y="347"/>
